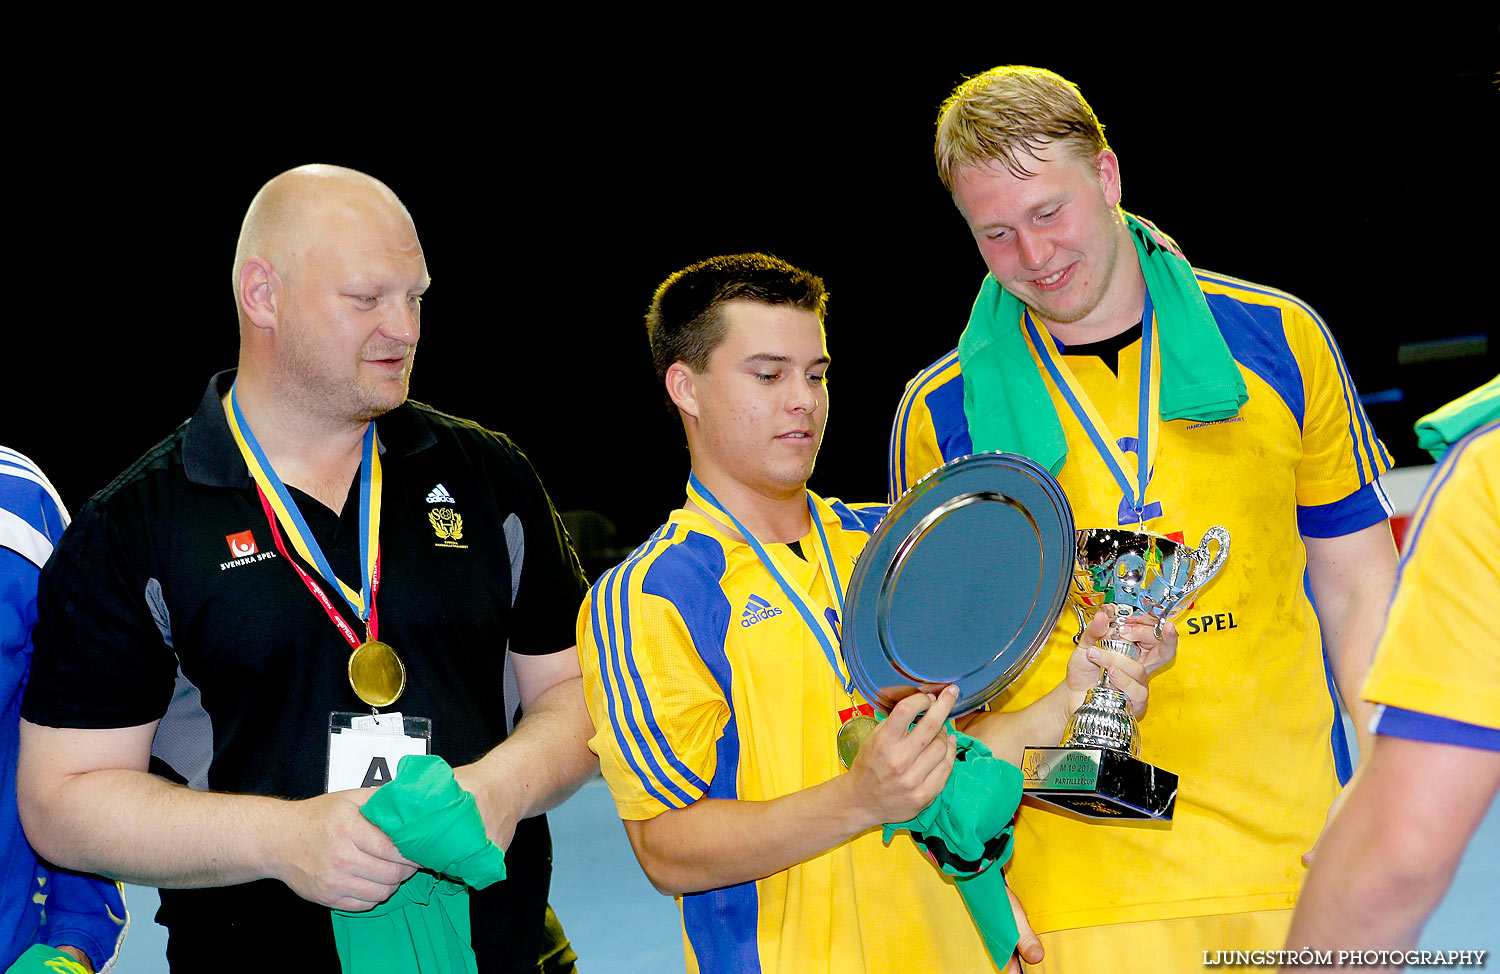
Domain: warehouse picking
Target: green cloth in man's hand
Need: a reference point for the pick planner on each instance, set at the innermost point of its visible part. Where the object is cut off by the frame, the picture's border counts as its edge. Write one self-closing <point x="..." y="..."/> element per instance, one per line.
<point x="424" y="926"/>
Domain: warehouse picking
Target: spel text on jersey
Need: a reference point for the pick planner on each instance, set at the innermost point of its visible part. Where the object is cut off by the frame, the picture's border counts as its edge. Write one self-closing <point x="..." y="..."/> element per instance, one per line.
<point x="1215" y="622"/>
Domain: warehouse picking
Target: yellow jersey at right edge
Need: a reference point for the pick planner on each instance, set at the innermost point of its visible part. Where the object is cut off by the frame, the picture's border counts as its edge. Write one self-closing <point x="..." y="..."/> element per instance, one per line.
<point x="1437" y="668"/>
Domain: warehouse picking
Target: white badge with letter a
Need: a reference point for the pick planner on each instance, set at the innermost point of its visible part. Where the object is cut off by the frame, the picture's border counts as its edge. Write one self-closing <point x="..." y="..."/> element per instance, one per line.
<point x="364" y="749"/>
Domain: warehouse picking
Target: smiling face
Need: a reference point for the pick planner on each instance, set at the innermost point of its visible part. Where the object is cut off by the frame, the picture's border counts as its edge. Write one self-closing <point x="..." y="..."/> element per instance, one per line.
<point x="755" y="415"/>
<point x="1056" y="240"/>
<point x="352" y="316"/>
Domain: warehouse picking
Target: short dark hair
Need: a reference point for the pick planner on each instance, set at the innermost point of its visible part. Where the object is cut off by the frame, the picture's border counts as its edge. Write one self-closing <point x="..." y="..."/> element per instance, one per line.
<point x="685" y="323"/>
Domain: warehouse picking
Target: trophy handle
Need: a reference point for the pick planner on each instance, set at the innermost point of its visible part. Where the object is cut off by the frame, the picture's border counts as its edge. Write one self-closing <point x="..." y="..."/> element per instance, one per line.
<point x="1205" y="568"/>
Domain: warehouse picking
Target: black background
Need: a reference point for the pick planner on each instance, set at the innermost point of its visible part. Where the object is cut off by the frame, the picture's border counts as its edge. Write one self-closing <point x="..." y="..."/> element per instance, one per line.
<point x="556" y="179"/>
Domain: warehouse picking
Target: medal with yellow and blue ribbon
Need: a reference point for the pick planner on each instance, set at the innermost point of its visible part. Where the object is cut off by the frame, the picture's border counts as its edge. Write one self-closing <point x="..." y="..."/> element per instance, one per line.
<point x="1134" y="509"/>
<point x="861" y="721"/>
<point x="376" y="673"/>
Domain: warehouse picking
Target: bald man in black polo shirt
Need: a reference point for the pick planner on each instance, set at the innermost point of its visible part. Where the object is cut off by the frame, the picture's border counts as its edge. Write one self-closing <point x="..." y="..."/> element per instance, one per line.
<point x="192" y="695"/>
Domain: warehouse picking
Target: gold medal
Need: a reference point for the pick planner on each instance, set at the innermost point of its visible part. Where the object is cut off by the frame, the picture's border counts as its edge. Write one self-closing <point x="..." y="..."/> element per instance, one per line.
<point x="376" y="673"/>
<point x="853" y="734"/>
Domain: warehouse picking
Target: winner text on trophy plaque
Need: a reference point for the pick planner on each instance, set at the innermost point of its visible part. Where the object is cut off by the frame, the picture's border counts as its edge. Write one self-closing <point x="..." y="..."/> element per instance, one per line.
<point x="1096" y="772"/>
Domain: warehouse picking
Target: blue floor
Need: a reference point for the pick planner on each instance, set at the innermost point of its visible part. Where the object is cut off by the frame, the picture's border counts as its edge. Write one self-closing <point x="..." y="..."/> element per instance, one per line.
<point x="619" y="924"/>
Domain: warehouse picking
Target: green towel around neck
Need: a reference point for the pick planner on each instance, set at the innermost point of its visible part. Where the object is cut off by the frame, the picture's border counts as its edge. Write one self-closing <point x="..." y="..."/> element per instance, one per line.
<point x="966" y="831"/>
<point x="1446" y="425"/>
<point x="1005" y="397"/>
<point x="424" y="926"/>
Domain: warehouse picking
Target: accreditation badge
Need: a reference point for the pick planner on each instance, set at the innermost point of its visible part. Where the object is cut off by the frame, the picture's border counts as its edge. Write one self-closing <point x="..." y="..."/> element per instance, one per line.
<point x="364" y="749"/>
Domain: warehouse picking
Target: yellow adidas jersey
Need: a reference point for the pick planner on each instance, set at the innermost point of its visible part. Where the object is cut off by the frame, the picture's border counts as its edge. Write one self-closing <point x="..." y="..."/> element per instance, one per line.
<point x="703" y="680"/>
<point x="1246" y="714"/>
<point x="1437" y="669"/>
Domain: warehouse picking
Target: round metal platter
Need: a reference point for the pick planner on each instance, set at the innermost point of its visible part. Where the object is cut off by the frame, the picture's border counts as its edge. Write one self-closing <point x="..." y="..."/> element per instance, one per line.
<point x="961" y="583"/>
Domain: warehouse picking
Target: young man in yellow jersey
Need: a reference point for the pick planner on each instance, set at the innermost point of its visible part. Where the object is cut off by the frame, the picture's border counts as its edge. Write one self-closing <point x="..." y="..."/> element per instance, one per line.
<point x="1170" y="400"/>
<point x="713" y="676"/>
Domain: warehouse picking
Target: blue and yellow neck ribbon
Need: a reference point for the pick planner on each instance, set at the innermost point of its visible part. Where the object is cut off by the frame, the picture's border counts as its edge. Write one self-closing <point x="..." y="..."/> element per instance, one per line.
<point x="1142" y="460"/>
<point x="296" y="528"/>
<point x="822" y="627"/>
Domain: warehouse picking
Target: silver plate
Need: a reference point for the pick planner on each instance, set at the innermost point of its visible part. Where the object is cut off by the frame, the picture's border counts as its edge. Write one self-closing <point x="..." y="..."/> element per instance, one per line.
<point x="961" y="583"/>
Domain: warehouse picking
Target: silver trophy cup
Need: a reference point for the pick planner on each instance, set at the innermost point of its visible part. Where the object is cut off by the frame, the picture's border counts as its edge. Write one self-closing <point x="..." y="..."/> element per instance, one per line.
<point x="1096" y="771"/>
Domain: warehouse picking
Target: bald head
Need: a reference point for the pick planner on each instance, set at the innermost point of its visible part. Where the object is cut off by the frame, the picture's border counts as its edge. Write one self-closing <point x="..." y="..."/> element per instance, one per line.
<point x="328" y="278"/>
<point x="309" y="207"/>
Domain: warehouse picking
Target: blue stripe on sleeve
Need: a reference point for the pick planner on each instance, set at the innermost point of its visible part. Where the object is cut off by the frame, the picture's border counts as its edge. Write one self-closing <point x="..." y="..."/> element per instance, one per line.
<point x="722" y="924"/>
<point x="914" y="393"/>
<point x="1360" y="433"/>
<point x="1413" y="725"/>
<point x="1366" y="462"/>
<point x="688" y="576"/>
<point x="609" y="671"/>
<point x="1359" y="510"/>
<point x="635" y="677"/>
<point x="615" y="589"/>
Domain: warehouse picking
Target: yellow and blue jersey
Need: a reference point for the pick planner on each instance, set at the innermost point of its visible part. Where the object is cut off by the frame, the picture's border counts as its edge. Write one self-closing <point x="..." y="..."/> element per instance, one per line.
<point x="703" y="681"/>
<point x="1237" y="714"/>
<point x="1437" y="668"/>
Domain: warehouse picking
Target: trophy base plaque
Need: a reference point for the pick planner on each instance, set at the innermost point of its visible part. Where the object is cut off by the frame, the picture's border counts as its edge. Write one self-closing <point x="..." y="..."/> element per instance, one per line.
<point x="1099" y="783"/>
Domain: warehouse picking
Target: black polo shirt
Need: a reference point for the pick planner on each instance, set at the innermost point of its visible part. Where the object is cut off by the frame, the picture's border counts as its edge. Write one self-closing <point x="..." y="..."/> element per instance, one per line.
<point x="167" y="600"/>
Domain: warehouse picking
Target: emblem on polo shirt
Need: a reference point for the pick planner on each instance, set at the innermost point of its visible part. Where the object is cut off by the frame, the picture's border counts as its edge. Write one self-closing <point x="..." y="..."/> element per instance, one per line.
<point x="243" y="551"/>
<point x="448" y="524"/>
<point x="241" y="544"/>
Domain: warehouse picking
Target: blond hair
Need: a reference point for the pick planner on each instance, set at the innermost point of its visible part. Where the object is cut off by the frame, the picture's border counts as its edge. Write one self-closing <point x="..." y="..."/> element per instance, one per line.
<point x="996" y="116"/>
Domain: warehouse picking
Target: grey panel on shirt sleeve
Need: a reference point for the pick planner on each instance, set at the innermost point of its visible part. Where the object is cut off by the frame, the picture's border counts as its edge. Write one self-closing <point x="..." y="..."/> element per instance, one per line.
<point x="185" y="735"/>
<point x="515" y="543"/>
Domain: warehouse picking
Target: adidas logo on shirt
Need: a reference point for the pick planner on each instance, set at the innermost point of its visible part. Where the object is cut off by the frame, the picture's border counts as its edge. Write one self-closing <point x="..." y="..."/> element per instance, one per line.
<point x="439" y="495"/>
<point x="755" y="610"/>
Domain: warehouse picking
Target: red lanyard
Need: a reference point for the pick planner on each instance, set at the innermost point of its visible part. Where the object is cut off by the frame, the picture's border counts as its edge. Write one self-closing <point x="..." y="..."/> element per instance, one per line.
<point x="372" y="624"/>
